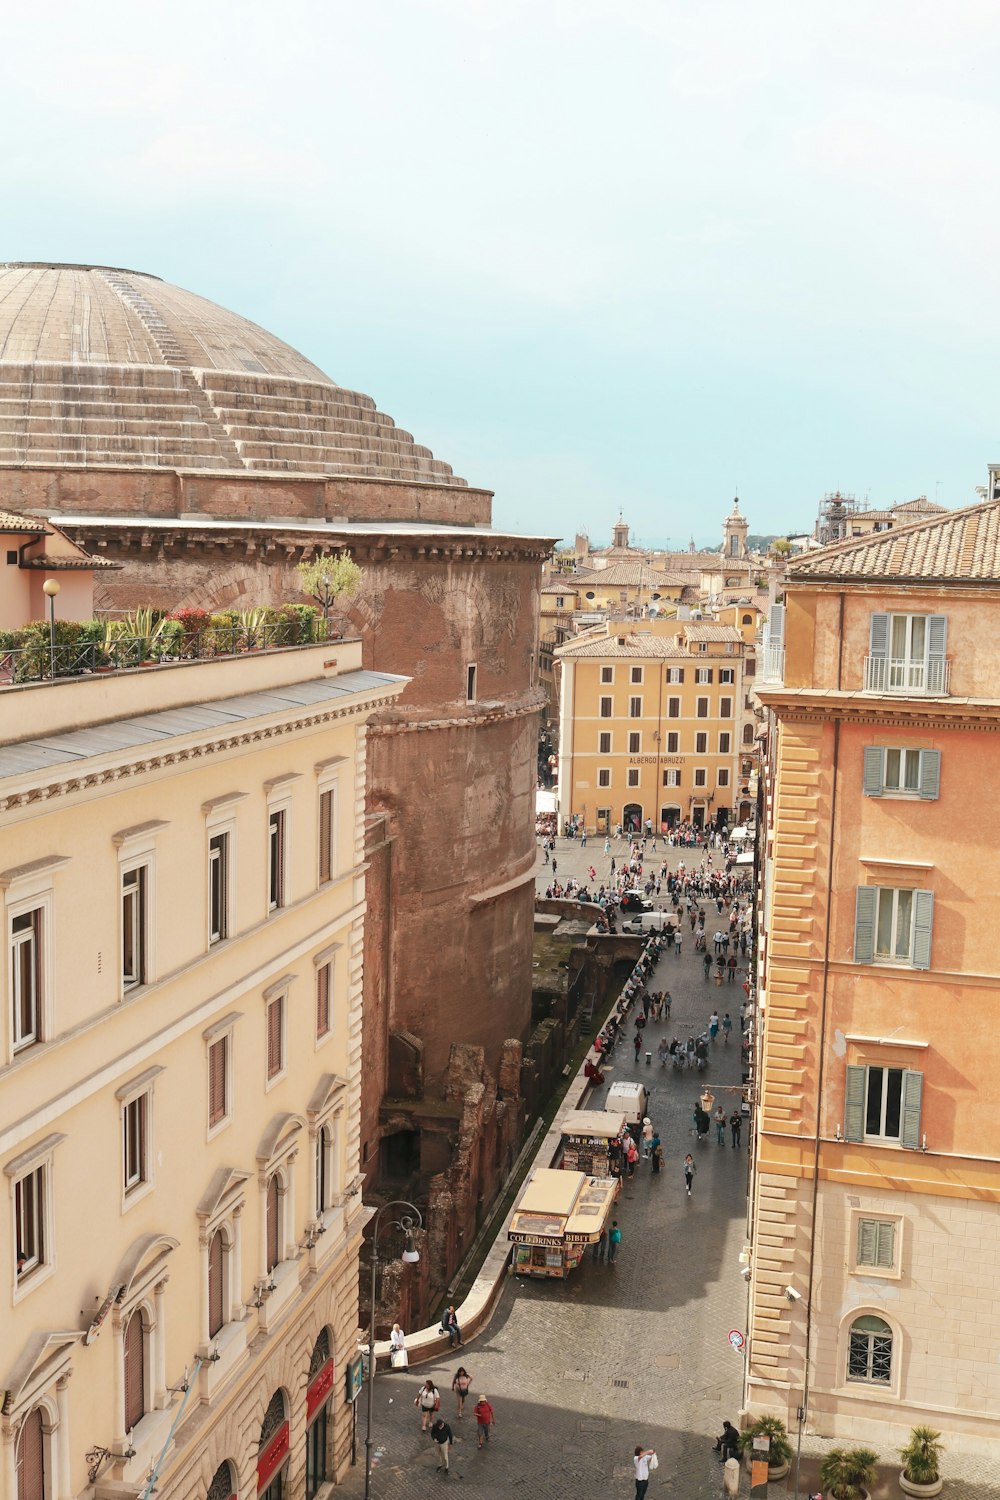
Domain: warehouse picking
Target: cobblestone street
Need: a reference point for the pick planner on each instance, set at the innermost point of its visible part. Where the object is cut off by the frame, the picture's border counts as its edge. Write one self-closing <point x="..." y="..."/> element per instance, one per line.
<point x="581" y="1371"/>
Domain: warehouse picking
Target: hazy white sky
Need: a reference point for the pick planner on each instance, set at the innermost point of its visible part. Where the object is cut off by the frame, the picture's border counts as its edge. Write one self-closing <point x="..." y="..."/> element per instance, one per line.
<point x="596" y="255"/>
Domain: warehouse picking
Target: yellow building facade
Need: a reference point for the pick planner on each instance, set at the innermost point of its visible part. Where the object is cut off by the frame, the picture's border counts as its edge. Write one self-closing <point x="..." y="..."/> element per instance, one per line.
<point x="182" y="879"/>
<point x="653" y="726"/>
<point x="875" y="1254"/>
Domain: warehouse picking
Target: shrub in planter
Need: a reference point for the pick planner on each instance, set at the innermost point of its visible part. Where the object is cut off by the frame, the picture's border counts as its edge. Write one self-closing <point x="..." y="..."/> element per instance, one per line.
<point x="779" y="1454"/>
<point x="194" y="623"/>
<point x="303" y="624"/>
<point x="171" y="640"/>
<point x="224" y="633"/>
<point x="848" y="1473"/>
<point x="921" y="1462"/>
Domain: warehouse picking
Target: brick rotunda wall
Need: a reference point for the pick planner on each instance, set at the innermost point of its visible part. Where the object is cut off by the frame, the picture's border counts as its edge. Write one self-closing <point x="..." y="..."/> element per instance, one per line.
<point x="450" y="785"/>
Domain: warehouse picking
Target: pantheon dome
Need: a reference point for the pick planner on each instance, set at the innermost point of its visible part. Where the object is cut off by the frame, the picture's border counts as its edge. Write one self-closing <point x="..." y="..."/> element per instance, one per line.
<point x="108" y="368"/>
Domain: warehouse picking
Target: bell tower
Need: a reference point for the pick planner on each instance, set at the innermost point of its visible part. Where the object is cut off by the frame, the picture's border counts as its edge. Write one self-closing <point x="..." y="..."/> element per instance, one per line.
<point x="620" y="534"/>
<point x="734" y="533"/>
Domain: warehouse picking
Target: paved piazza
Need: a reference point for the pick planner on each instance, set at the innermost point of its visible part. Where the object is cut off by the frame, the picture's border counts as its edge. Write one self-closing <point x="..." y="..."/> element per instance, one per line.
<point x="581" y="1371"/>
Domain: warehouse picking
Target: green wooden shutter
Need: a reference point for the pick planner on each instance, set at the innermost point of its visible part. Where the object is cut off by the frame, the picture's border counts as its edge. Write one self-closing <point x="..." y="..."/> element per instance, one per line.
<point x="867" y="1241"/>
<point x="878" y="644"/>
<point x="913" y="1088"/>
<point x="930" y="774"/>
<point x="885" y="1244"/>
<point x="874" y="778"/>
<point x="923" y="919"/>
<point x="864" y="925"/>
<point x="854" y="1105"/>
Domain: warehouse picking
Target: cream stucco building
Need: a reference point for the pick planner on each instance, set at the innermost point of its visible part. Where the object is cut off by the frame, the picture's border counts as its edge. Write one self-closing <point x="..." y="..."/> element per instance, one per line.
<point x="183" y="892"/>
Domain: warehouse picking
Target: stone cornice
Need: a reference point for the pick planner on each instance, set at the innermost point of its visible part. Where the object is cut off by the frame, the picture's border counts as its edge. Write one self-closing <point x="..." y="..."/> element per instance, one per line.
<point x="284" y="542"/>
<point x="812" y="706"/>
<point x="494" y="713"/>
<point x="44" y="791"/>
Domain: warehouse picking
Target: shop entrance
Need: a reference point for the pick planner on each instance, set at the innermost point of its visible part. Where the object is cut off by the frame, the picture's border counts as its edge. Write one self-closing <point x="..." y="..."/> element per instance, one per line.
<point x="669" y="818"/>
<point x="632" y="818"/>
<point x="698" y="815"/>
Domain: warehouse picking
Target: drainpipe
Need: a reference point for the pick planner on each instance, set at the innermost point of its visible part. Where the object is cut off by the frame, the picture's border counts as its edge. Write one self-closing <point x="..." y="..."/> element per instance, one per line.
<point x="820" y="1074"/>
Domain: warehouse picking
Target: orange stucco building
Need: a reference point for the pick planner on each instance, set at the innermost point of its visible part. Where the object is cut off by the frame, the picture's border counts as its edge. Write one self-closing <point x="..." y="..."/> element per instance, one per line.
<point x="875" y="1255"/>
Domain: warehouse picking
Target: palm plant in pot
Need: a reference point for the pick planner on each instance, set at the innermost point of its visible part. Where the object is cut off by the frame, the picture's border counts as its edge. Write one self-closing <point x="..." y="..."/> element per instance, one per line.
<point x="849" y="1473"/>
<point x="779" y="1455"/>
<point x="921" y="1463"/>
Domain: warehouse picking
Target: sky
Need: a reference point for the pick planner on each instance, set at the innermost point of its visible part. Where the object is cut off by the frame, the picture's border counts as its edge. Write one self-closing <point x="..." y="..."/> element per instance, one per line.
<point x="600" y="257"/>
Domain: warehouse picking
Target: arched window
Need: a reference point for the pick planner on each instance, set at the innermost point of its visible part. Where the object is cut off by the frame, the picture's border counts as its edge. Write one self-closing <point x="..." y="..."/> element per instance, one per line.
<point x="748" y="734"/>
<point x="869" y="1351"/>
<point x="273" y="1222"/>
<point x="222" y="1486"/>
<point x="216" y="1284"/>
<point x="31" y="1458"/>
<point x="135" y="1371"/>
<point x="272" y="1450"/>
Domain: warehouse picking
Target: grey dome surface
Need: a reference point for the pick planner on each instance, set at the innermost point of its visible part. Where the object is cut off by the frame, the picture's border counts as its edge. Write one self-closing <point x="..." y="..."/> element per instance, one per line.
<point x="103" y="367"/>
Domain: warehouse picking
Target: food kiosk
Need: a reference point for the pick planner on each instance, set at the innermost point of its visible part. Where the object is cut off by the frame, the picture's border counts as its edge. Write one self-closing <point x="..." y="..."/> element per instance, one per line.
<point x="557" y="1216"/>
<point x="593" y="1141"/>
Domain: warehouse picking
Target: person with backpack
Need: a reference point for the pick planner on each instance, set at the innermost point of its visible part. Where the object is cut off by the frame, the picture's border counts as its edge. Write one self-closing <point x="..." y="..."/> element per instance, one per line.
<point x="429" y="1401"/>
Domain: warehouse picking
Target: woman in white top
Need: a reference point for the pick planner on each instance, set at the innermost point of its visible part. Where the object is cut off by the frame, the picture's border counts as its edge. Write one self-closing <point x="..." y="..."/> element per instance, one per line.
<point x="399" y="1359"/>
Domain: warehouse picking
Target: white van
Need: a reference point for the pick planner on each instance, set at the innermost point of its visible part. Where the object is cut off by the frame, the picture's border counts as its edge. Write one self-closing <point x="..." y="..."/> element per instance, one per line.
<point x="647" y="921"/>
<point x="628" y="1099"/>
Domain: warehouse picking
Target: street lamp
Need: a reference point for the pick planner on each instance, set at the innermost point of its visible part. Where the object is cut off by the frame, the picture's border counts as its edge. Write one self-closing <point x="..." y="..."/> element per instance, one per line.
<point x="408" y="1221"/>
<point x="51" y="588"/>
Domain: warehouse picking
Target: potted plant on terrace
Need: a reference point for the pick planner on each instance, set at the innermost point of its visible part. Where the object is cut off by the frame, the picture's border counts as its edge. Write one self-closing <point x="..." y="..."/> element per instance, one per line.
<point x="779" y="1454"/>
<point x="921" y="1459"/>
<point x="849" y="1473"/>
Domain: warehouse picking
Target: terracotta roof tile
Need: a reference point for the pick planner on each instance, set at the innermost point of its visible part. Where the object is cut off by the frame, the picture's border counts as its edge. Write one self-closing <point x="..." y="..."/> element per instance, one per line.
<point x="11" y="521"/>
<point x="705" y="630"/>
<point x="625" y="574"/>
<point x="950" y="545"/>
<point x="635" y="647"/>
<point x="54" y="564"/>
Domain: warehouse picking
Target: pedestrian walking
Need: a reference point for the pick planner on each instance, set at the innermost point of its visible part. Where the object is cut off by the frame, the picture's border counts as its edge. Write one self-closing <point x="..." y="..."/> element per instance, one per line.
<point x="690" y="1168"/>
<point x="713" y="1025"/>
<point x="441" y="1434"/>
<point x="736" y="1126"/>
<point x="678" y="940"/>
<point x="601" y="1248"/>
<point x="554" y="865"/>
<point x="460" y="1385"/>
<point x="642" y="1461"/>
<point x="657" y="1161"/>
<point x="614" y="1241"/>
<point x="485" y="1419"/>
<point x="429" y="1401"/>
<point x="647" y="1138"/>
<point x="727" y="1026"/>
<point x="720" y="1125"/>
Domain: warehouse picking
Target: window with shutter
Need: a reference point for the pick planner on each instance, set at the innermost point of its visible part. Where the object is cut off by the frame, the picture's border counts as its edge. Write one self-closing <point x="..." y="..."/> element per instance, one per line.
<point x="604" y="743"/>
<point x="323" y="977"/>
<point x="607" y="706"/>
<point x="701" y="708"/>
<point x="31" y="1458"/>
<point x="134" y="1130"/>
<point x="273" y="1222"/>
<point x="864" y="924"/>
<point x="673" y="708"/>
<point x="876" y="1243"/>
<point x="216" y="1303"/>
<point x="26" y="970"/>
<point x="923" y="919"/>
<point x="325" y="836"/>
<point x="218" y="887"/>
<point x="673" y="742"/>
<point x="854" y="1105"/>
<point x="276" y="859"/>
<point x="913" y="1088"/>
<point x="275" y="1028"/>
<point x="874" y="757"/>
<point x="218" y="1081"/>
<point x="135" y="1374"/>
<point x="930" y="774"/>
<point x="878" y="635"/>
